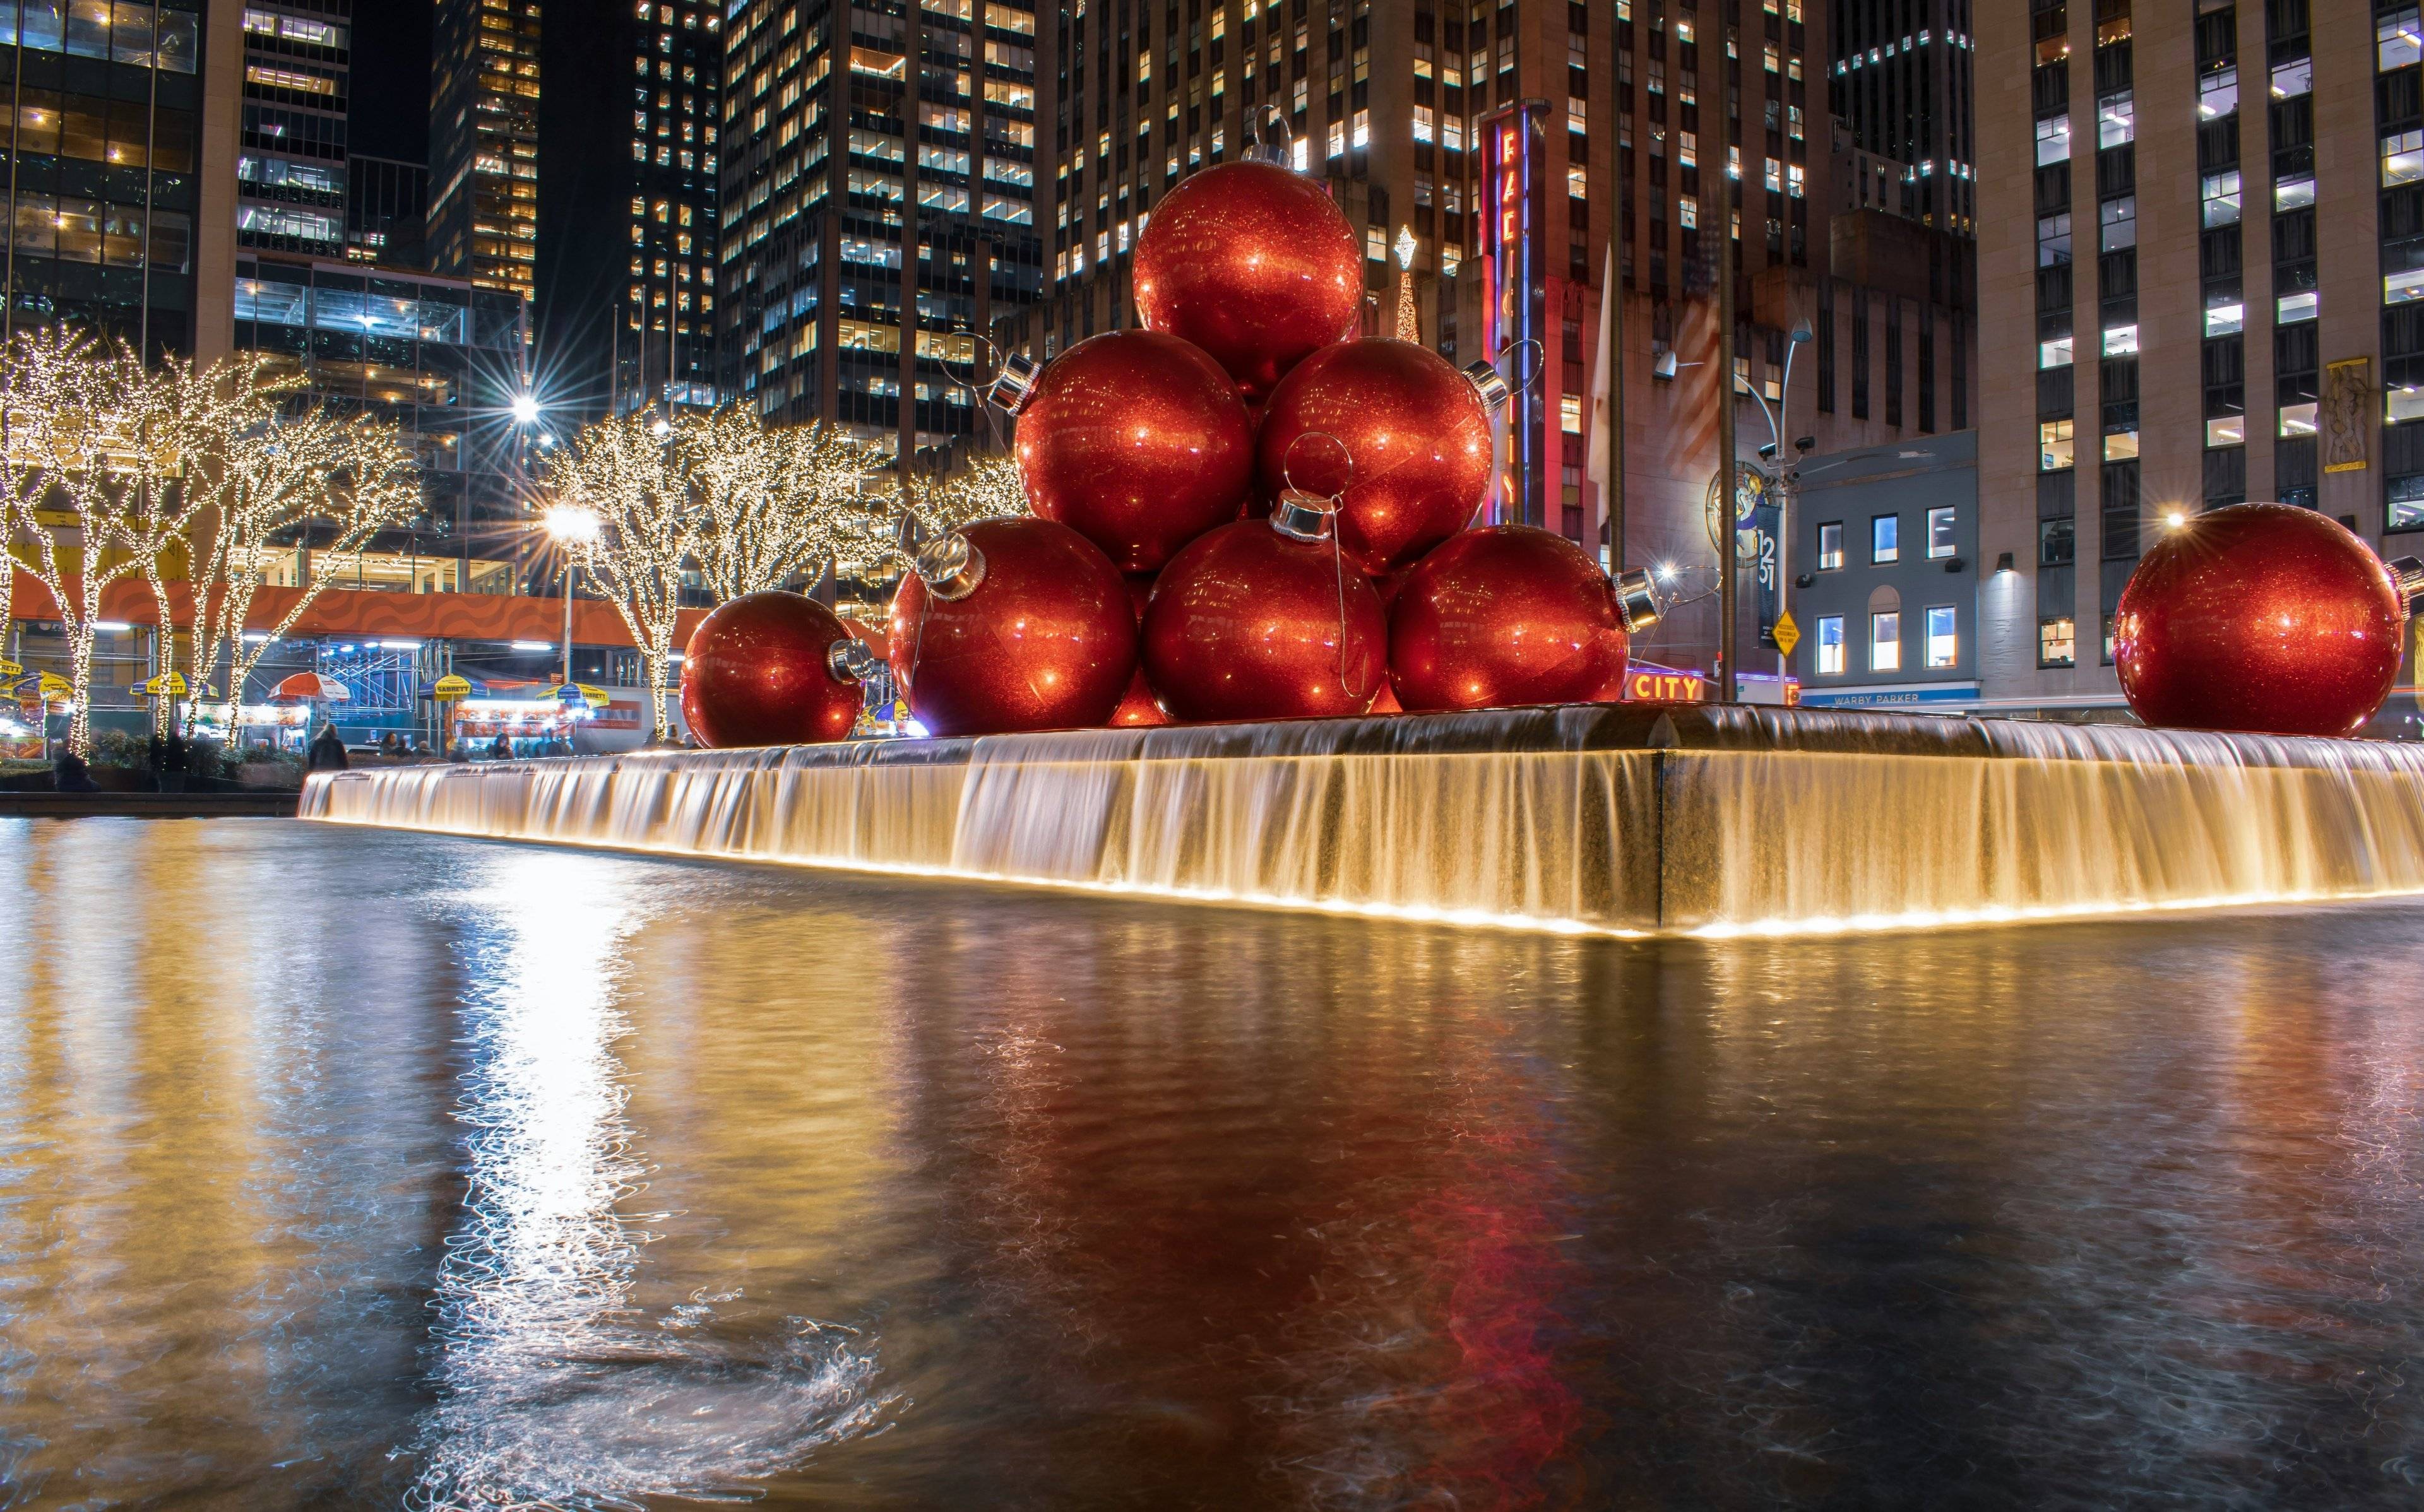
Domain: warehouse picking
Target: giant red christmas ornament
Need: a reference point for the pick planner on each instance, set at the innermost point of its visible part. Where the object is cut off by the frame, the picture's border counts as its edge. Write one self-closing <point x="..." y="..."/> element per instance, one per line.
<point x="1513" y="615"/>
<point x="1396" y="433"/>
<point x="2262" y="617"/>
<point x="1260" y="620"/>
<point x="771" y="669"/>
<point x="1254" y="265"/>
<point x="1012" y="624"/>
<point x="1136" y="442"/>
<point x="1139" y="708"/>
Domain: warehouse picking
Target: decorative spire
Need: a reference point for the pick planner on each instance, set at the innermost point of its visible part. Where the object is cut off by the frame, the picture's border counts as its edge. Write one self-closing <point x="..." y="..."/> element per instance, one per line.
<point x="1409" y="324"/>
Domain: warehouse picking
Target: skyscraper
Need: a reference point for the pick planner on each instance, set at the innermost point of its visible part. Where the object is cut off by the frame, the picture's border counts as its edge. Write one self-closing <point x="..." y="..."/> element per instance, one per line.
<point x="103" y="149"/>
<point x="386" y="211"/>
<point x="628" y="238"/>
<point x="483" y="143"/>
<point x="2201" y="266"/>
<point x="290" y="176"/>
<point x="878" y="184"/>
<point x="1589" y="124"/>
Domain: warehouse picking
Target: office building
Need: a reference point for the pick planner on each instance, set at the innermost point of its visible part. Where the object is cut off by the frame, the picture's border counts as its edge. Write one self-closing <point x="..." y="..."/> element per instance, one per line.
<point x="105" y="160"/>
<point x="483" y="103"/>
<point x="2155" y="187"/>
<point x="878" y="170"/>
<point x="387" y="211"/>
<point x="1415" y="111"/>
<point x="628" y="240"/>
<point x="443" y="357"/>
<point x="291" y="174"/>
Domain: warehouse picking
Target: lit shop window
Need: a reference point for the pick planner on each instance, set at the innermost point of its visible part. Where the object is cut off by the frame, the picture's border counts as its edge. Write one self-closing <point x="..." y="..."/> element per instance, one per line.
<point x="1885" y="538"/>
<point x="1885" y="642"/>
<point x="1943" y="637"/>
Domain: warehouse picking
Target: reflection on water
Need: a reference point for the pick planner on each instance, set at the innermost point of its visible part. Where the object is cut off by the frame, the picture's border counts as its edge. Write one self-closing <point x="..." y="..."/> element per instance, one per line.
<point x="554" y="1386"/>
<point x="347" y="1168"/>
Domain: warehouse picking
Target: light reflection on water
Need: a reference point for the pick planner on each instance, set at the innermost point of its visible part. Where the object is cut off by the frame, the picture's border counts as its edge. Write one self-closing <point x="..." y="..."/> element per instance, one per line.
<point x="348" y="1169"/>
<point x="555" y="1386"/>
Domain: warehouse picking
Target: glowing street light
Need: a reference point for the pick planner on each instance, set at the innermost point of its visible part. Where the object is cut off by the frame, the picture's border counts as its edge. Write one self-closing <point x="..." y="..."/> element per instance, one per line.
<point x="526" y="408"/>
<point x="570" y="525"/>
<point x="2175" y="520"/>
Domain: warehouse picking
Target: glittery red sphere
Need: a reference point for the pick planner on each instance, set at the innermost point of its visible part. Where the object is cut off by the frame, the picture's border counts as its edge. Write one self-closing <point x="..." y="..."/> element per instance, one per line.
<point x="1137" y="442"/>
<point x="1414" y="428"/>
<point x="1504" y="616"/>
<point x="1246" y="624"/>
<point x="1254" y="265"/>
<point x="1047" y="640"/>
<point x="2261" y="617"/>
<point x="1139" y="709"/>
<point x="755" y="674"/>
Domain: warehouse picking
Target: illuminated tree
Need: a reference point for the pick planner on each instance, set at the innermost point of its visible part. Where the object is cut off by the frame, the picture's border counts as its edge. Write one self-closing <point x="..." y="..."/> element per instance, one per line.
<point x="86" y="449"/>
<point x="295" y="495"/>
<point x="643" y="526"/>
<point x="780" y="504"/>
<point x="988" y="487"/>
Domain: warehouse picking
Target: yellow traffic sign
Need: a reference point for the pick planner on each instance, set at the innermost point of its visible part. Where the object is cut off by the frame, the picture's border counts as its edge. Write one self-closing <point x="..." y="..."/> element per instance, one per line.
<point x="1788" y="634"/>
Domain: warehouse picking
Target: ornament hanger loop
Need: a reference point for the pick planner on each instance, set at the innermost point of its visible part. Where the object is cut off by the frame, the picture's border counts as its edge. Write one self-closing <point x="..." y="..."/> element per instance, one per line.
<point x="1287" y="464"/>
<point x="1539" y="361"/>
<point x="981" y="350"/>
<point x="1274" y="141"/>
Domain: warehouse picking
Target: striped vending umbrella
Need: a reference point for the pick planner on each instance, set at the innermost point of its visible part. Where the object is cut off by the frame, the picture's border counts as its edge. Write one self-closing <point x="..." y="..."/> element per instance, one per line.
<point x="311" y="685"/>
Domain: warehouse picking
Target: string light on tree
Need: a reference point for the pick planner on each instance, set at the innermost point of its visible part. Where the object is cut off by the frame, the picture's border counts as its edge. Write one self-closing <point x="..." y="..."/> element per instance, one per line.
<point x="1409" y="324"/>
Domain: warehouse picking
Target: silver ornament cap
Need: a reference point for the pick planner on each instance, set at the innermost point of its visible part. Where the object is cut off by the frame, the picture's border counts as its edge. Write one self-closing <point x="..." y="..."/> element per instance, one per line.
<point x="949" y="566"/>
<point x="1639" y="600"/>
<point x="1491" y="386"/>
<point x="1302" y="515"/>
<point x="2407" y="576"/>
<point x="1014" y="388"/>
<point x="849" y="660"/>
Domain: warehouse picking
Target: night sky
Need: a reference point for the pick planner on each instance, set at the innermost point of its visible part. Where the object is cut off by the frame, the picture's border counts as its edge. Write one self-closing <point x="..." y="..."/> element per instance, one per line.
<point x="390" y="78"/>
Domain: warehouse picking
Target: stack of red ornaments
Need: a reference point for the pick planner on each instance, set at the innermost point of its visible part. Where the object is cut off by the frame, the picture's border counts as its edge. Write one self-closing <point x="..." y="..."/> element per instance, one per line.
<point x="1241" y="511"/>
<point x="1244" y="512"/>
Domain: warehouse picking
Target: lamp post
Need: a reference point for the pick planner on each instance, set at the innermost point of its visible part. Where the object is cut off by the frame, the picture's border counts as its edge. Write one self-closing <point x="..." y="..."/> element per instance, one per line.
<point x="1785" y="476"/>
<point x="571" y="526"/>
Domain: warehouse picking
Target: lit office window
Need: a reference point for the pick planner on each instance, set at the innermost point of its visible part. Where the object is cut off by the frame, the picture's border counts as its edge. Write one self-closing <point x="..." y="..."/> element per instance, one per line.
<point x="1885" y="643"/>
<point x="1943" y="637"/>
<point x="1885" y="538"/>
<point x="2054" y="637"/>
<point x="1830" y="646"/>
<point x="1830" y="546"/>
<point x="1940" y="532"/>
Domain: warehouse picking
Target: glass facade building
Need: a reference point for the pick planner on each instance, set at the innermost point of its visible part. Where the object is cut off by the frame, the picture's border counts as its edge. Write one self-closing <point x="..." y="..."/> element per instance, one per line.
<point x="440" y="356"/>
<point x="878" y="170"/>
<point x="105" y="104"/>
<point x="483" y="143"/>
<point x="291" y="171"/>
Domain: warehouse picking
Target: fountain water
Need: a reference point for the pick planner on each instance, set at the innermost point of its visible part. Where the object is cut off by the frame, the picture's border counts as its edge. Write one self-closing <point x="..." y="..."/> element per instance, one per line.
<point x="1628" y="818"/>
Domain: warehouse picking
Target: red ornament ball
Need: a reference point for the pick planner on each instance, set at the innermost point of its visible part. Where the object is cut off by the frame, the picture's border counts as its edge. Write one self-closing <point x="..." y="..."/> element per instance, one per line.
<point x="1253" y="263"/>
<point x="1246" y="624"/>
<point x="1039" y="635"/>
<point x="1503" y="616"/>
<point x="1139" y="709"/>
<point x="1137" y="442"/>
<point x="1412" y="454"/>
<point x="755" y="673"/>
<point x="2261" y="617"/>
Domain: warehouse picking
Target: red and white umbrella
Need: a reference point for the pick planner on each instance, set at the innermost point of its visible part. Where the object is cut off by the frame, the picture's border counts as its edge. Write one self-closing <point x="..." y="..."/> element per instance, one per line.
<point x="312" y="685"/>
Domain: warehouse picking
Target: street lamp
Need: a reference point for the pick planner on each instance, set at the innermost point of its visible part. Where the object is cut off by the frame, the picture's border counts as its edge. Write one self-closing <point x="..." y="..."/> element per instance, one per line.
<point x="570" y="526"/>
<point x="526" y="408"/>
<point x="1786" y="476"/>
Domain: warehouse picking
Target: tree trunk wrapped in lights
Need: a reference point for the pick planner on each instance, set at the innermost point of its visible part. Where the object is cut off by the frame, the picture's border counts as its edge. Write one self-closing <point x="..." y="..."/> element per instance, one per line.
<point x="89" y="444"/>
<point x="634" y="486"/>
<point x="311" y="488"/>
<point x="779" y="505"/>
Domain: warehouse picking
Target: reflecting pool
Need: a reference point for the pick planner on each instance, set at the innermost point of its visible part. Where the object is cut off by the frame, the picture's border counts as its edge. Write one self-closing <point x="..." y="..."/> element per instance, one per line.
<point x="348" y="1168"/>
